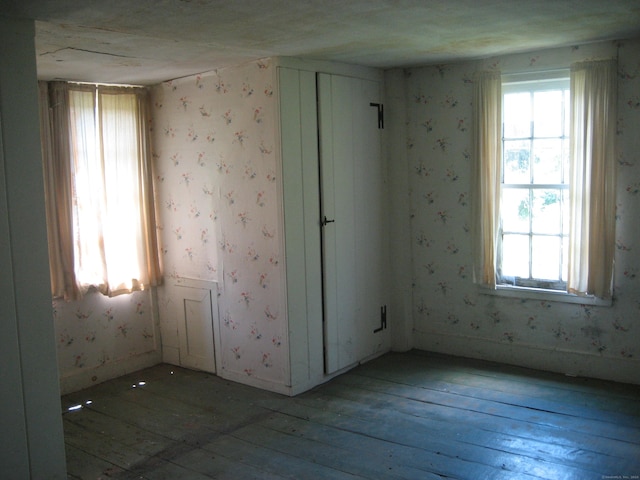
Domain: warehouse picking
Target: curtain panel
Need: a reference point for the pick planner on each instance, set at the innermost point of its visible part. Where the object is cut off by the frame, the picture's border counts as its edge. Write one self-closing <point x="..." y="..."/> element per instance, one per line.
<point x="101" y="214"/>
<point x="592" y="177"/>
<point x="487" y="174"/>
<point x="54" y="119"/>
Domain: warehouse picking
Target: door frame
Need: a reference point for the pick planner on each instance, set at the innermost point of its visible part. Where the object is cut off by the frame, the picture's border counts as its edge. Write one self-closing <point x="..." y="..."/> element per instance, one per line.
<point x="298" y="148"/>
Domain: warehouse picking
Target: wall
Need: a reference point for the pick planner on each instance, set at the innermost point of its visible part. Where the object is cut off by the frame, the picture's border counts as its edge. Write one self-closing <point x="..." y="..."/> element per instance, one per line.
<point x="99" y="338"/>
<point x="31" y="438"/>
<point x="219" y="196"/>
<point x="395" y="141"/>
<point x="449" y="312"/>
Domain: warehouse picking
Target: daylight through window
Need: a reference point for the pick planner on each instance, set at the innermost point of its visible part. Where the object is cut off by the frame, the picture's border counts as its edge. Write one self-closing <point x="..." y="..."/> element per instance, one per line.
<point x="534" y="212"/>
<point x="102" y="217"/>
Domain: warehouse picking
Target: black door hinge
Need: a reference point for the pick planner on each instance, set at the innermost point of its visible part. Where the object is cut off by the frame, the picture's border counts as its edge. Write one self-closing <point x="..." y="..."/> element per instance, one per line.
<point x="380" y="108"/>
<point x="383" y="319"/>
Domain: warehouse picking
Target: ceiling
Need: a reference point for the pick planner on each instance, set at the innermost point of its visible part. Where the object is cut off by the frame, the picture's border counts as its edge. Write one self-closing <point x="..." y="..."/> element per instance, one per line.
<point x="149" y="41"/>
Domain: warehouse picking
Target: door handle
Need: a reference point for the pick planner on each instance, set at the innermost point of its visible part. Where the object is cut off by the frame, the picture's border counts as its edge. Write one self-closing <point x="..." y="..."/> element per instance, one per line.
<point x="325" y="220"/>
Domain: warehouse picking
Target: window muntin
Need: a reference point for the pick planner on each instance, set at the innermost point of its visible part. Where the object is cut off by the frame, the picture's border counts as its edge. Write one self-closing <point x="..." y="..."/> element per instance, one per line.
<point x="533" y="239"/>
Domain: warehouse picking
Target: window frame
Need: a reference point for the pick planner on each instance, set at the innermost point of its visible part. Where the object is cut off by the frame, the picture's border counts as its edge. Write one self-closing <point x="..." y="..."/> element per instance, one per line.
<point x="530" y="83"/>
<point x="533" y="292"/>
<point x="595" y="84"/>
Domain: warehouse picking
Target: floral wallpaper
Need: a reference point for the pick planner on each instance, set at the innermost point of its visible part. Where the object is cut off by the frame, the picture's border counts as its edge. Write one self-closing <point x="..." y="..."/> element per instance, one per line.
<point x="217" y="190"/>
<point x="219" y="200"/>
<point x="218" y="193"/>
<point x="450" y="314"/>
<point x="98" y="331"/>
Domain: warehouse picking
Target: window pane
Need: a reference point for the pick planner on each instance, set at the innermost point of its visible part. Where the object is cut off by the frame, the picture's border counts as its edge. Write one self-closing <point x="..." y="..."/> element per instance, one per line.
<point x="515" y="210"/>
<point x="515" y="255"/>
<point x="121" y="170"/>
<point x="517" y="115"/>
<point x="547" y="114"/>
<point x="547" y="164"/>
<point x="565" y="161"/>
<point x="567" y="114"/>
<point x="516" y="161"/>
<point x="565" y="212"/>
<point x="546" y="211"/>
<point x="88" y="212"/>
<point x="545" y="257"/>
<point x="565" y="258"/>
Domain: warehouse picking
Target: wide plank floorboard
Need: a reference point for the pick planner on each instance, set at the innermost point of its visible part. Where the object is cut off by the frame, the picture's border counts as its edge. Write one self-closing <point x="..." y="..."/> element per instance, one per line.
<point x="414" y="415"/>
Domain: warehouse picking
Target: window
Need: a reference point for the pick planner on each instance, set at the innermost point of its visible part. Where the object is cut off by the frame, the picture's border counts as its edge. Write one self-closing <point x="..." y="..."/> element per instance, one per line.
<point x="534" y="211"/>
<point x="99" y="195"/>
<point x="544" y="181"/>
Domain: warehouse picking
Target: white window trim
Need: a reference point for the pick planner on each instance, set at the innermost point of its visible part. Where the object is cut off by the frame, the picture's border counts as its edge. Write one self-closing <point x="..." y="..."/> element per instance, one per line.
<point x="554" y="77"/>
<point x="540" y="294"/>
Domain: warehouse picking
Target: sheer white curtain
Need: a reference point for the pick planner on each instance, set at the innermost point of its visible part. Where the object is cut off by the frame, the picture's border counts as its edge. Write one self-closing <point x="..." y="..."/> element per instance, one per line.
<point x="487" y="174"/>
<point x="592" y="177"/>
<point x="105" y="224"/>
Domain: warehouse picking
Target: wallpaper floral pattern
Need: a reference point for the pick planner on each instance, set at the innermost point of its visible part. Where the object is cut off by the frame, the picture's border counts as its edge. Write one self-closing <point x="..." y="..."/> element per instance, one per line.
<point x="218" y="194"/>
<point x="447" y="305"/>
<point x="214" y="140"/>
<point x="219" y="199"/>
<point x="99" y="330"/>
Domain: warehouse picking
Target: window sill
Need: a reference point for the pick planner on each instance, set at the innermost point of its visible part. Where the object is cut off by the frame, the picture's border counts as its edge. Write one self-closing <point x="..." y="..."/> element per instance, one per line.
<point x="543" y="295"/>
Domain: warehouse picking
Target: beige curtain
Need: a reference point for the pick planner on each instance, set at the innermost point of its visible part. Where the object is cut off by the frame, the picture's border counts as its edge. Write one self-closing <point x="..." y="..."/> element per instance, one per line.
<point x="592" y="177"/>
<point x="54" y="111"/>
<point x="102" y="220"/>
<point x="152" y="258"/>
<point x="487" y="174"/>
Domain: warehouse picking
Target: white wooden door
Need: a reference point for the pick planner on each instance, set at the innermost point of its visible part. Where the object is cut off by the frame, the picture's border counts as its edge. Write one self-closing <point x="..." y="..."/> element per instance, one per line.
<point x="353" y="202"/>
<point x="195" y="329"/>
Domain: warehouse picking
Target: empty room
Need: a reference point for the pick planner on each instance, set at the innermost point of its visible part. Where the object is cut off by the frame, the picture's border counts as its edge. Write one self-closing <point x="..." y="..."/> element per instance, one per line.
<point x="320" y="239"/>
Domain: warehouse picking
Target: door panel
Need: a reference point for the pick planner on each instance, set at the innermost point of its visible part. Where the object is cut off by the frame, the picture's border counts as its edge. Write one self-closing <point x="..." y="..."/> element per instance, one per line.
<point x="195" y="329"/>
<point x="352" y="199"/>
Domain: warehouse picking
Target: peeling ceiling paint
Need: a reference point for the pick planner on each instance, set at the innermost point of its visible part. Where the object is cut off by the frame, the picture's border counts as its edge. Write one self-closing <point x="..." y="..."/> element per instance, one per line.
<point x="148" y="41"/>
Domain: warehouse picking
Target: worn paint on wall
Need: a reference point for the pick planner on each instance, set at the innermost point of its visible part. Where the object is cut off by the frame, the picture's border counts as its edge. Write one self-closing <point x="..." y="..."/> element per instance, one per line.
<point x="219" y="200"/>
<point x="450" y="314"/>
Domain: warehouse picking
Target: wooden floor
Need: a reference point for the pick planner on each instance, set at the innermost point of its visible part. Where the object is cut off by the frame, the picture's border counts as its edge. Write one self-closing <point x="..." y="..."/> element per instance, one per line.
<point x="414" y="415"/>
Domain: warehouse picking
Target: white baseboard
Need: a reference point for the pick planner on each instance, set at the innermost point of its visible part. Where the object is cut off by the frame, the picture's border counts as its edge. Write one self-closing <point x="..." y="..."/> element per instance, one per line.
<point x="565" y="361"/>
<point x="253" y="381"/>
